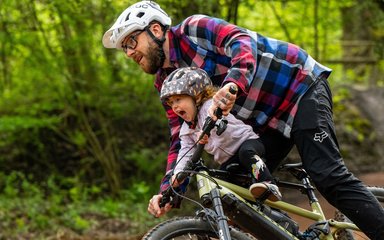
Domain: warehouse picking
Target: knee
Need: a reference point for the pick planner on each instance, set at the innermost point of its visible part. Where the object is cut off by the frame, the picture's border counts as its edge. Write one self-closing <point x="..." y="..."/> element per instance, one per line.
<point x="250" y="148"/>
<point x="331" y="180"/>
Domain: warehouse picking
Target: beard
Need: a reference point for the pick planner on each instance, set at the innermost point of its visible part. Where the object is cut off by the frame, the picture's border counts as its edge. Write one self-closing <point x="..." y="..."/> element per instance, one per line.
<point x="155" y="58"/>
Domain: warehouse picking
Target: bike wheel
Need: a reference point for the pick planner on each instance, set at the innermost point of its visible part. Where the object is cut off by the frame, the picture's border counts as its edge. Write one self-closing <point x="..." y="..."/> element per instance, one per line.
<point x="378" y="192"/>
<point x="181" y="228"/>
<point x="346" y="234"/>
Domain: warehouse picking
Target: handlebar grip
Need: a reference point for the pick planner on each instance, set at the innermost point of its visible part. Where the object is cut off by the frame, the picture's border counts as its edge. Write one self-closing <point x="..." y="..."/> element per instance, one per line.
<point x="218" y="112"/>
<point x="166" y="197"/>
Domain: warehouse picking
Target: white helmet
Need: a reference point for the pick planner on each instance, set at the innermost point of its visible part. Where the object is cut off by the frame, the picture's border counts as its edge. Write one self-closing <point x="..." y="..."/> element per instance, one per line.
<point x="136" y="17"/>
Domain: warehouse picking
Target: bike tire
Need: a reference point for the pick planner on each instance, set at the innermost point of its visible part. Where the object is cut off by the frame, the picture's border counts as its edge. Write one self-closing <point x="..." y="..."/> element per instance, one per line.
<point x="346" y="234"/>
<point x="378" y="192"/>
<point x="181" y="228"/>
<point x="343" y="234"/>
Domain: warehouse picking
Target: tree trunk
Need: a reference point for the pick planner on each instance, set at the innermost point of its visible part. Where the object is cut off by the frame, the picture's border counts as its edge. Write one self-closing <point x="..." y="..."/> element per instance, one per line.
<point x="358" y="40"/>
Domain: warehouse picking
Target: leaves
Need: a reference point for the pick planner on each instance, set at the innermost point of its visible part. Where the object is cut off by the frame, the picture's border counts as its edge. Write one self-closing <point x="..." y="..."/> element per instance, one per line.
<point x="89" y="107"/>
<point x="78" y="121"/>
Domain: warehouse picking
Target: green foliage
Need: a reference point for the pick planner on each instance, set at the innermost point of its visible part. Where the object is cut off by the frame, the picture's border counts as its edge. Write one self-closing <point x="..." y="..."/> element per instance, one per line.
<point x="357" y="128"/>
<point x="148" y="161"/>
<point x="29" y="207"/>
<point x="80" y="123"/>
<point x="273" y="19"/>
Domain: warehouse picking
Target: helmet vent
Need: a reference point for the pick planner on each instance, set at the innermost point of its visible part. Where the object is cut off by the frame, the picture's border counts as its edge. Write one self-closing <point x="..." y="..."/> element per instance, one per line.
<point x="127" y="18"/>
<point x="140" y="14"/>
<point x="181" y="74"/>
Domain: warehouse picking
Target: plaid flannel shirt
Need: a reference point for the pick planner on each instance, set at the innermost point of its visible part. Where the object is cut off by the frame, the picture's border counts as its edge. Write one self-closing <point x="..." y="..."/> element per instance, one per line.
<point x="272" y="75"/>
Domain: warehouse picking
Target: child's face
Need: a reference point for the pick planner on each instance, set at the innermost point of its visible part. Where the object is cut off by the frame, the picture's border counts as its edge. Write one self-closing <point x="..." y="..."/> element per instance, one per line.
<point x="184" y="106"/>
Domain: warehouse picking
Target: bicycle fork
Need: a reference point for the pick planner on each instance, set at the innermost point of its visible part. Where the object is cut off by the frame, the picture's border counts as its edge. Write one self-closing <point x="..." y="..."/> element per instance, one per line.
<point x="211" y="198"/>
<point x="220" y="218"/>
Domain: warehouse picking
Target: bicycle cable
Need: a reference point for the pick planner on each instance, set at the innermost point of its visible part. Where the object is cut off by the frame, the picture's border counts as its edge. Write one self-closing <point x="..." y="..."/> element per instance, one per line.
<point x="201" y="206"/>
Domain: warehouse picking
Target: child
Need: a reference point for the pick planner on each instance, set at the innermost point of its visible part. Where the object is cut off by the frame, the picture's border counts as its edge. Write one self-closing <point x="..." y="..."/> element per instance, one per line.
<point x="189" y="91"/>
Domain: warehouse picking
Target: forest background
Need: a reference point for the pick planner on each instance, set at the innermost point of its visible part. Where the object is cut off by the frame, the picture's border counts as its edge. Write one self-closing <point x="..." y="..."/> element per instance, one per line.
<point x="83" y="137"/>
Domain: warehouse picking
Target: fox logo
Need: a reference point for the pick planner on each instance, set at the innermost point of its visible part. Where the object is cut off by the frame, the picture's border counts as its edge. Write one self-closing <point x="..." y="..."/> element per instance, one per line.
<point x="319" y="137"/>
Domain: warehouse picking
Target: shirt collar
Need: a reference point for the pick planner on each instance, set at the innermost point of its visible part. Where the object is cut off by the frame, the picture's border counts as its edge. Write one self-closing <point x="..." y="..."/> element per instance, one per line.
<point x="161" y="75"/>
<point x="193" y="124"/>
<point x="174" y="54"/>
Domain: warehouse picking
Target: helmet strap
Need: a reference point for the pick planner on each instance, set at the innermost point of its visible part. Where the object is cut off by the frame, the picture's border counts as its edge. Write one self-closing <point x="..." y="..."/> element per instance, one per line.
<point x="159" y="42"/>
<point x="193" y="124"/>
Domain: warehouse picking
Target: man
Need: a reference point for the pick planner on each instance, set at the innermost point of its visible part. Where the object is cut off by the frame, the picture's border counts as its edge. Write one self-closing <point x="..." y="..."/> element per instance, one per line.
<point x="283" y="94"/>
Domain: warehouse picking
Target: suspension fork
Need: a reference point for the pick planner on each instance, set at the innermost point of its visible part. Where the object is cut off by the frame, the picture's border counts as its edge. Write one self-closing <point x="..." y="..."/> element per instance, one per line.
<point x="210" y="196"/>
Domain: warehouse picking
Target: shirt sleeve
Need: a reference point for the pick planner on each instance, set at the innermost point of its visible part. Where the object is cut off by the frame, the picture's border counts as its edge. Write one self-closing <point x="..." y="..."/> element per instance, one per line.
<point x="222" y="38"/>
<point x="174" y="123"/>
<point x="174" y="147"/>
<point x="186" y="150"/>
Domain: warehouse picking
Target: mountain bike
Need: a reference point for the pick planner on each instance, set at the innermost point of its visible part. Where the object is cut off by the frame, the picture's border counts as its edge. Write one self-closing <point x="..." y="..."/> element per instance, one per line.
<point x="229" y="211"/>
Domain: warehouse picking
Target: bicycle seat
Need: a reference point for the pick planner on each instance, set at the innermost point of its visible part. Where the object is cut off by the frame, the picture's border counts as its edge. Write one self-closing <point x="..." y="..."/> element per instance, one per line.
<point x="291" y="165"/>
<point x="234" y="168"/>
<point x="233" y="173"/>
<point x="296" y="169"/>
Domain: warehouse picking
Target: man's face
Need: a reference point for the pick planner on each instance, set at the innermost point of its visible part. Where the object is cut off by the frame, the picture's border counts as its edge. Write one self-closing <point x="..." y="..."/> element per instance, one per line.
<point x="146" y="53"/>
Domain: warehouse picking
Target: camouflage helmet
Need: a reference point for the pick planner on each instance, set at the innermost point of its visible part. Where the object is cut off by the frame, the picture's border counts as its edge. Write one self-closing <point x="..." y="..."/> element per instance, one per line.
<point x="188" y="80"/>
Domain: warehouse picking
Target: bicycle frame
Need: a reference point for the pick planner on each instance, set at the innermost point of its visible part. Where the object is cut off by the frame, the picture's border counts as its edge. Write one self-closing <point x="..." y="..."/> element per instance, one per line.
<point x="206" y="185"/>
<point x="235" y="202"/>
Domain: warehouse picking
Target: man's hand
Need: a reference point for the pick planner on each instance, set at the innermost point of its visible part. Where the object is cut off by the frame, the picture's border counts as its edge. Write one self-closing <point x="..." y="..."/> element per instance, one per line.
<point x="224" y="100"/>
<point x="154" y="208"/>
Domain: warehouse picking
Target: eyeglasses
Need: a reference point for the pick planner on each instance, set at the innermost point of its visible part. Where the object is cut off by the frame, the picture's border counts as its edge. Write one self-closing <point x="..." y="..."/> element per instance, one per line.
<point x="130" y="42"/>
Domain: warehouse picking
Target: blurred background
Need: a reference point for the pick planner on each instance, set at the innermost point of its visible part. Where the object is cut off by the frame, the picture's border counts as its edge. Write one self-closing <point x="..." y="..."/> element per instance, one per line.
<point x="83" y="137"/>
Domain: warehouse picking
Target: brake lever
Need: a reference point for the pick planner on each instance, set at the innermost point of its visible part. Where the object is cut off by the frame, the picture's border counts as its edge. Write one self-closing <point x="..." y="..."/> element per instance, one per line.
<point x="167" y="195"/>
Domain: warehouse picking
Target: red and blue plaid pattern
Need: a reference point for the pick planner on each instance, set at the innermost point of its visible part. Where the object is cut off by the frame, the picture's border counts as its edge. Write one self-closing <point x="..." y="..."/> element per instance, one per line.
<point x="272" y="75"/>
